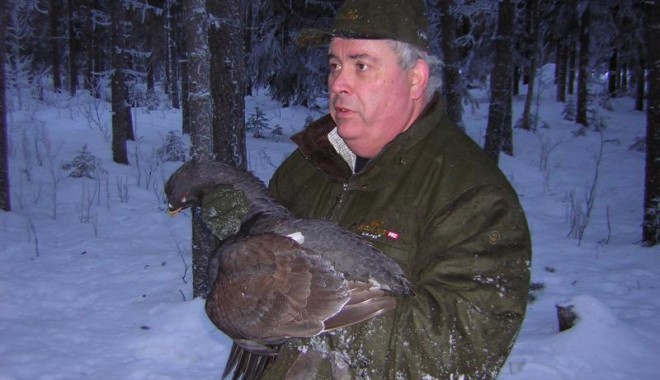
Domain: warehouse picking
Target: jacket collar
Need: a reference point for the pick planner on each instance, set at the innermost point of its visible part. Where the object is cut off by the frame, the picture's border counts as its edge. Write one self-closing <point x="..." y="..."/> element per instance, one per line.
<point x="314" y="144"/>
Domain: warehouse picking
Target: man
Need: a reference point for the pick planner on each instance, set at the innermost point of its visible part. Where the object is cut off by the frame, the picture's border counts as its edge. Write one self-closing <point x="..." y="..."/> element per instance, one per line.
<point x="388" y="164"/>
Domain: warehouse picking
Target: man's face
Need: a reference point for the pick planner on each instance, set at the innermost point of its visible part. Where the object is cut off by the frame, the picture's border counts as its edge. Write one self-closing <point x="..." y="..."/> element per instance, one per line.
<point x="372" y="99"/>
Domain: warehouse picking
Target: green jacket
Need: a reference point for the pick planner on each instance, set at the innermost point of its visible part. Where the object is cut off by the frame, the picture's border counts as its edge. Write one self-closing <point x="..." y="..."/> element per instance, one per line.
<point x="433" y="201"/>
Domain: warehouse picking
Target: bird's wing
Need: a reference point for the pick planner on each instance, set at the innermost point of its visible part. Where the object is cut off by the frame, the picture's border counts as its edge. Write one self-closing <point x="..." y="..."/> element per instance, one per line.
<point x="349" y="253"/>
<point x="269" y="288"/>
<point x="366" y="302"/>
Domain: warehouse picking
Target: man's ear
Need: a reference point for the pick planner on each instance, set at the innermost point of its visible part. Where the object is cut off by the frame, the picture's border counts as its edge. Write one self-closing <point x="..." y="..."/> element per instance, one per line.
<point x="419" y="75"/>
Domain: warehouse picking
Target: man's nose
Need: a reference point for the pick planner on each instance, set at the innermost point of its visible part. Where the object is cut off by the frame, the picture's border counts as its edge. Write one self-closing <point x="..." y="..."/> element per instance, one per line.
<point x="339" y="82"/>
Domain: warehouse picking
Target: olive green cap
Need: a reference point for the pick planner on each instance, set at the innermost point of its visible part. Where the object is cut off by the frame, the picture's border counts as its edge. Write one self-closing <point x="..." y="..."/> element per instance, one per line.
<point x="400" y="20"/>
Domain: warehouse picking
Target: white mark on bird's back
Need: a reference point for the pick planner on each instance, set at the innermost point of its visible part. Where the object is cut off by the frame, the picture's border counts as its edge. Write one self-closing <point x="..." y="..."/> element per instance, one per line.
<point x="297" y="236"/>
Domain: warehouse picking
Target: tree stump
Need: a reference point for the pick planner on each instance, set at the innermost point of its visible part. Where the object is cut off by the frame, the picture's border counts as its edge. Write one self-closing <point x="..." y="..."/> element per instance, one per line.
<point x="566" y="316"/>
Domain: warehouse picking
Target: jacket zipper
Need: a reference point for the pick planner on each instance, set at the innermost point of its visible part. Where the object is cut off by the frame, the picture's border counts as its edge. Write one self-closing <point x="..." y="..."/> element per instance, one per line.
<point x="337" y="209"/>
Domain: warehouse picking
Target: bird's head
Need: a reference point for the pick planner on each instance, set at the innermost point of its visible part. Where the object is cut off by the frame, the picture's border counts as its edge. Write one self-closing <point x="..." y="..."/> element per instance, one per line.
<point x="228" y="189"/>
<point x="175" y="206"/>
<point x="186" y="186"/>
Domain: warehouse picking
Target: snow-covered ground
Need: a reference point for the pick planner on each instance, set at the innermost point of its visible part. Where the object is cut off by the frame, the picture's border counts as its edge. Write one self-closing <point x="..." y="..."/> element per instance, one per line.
<point x="95" y="277"/>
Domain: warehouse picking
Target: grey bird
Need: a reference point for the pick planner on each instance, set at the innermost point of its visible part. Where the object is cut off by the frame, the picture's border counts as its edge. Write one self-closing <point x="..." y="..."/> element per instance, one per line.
<point x="277" y="277"/>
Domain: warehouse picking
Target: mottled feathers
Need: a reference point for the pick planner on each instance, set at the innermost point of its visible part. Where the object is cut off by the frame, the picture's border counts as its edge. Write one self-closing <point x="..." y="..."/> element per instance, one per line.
<point x="281" y="277"/>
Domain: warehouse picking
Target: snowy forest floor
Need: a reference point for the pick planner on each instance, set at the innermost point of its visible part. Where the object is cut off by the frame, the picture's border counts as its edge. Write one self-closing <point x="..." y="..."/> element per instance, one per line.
<point x="95" y="278"/>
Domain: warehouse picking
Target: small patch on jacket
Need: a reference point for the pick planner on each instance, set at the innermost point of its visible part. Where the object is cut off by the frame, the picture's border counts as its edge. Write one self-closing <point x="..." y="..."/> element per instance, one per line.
<point x="393" y="235"/>
<point x="376" y="229"/>
<point x="494" y="237"/>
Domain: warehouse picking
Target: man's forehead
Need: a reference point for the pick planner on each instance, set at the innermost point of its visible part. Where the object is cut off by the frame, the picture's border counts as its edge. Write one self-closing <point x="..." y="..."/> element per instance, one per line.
<point x="357" y="49"/>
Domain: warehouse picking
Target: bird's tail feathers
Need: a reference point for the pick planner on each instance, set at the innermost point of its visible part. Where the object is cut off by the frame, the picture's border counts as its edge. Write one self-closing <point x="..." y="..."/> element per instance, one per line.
<point x="247" y="364"/>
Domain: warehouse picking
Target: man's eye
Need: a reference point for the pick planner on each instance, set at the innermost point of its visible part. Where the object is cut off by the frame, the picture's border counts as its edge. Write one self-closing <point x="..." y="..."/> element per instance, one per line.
<point x="362" y="66"/>
<point x="334" y="67"/>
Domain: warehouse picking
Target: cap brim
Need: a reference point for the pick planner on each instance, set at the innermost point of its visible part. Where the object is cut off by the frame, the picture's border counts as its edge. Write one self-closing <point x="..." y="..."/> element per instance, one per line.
<point x="313" y="38"/>
<point x="322" y="37"/>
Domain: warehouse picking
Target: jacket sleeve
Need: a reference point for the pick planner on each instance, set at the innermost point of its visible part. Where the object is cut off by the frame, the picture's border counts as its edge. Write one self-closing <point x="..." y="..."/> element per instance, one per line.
<point x="472" y="274"/>
<point x="290" y="181"/>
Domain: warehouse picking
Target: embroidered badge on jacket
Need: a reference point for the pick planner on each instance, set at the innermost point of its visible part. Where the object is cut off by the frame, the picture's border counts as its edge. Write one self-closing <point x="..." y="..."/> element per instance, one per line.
<point x="376" y="230"/>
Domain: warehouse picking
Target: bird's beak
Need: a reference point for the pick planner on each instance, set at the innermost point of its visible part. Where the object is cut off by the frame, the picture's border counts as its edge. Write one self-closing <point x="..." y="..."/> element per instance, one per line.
<point x="174" y="212"/>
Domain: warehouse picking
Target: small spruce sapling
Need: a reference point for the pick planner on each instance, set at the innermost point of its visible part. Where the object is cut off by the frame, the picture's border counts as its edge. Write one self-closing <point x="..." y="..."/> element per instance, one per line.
<point x="257" y="124"/>
<point x="172" y="149"/>
<point x="85" y="164"/>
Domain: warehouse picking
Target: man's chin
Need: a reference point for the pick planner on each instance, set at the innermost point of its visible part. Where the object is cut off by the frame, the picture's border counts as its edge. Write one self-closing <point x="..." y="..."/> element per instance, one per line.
<point x="347" y="130"/>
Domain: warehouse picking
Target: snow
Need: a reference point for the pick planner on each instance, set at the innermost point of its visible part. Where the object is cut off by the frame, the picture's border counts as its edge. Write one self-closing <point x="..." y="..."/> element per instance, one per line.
<point x="95" y="277"/>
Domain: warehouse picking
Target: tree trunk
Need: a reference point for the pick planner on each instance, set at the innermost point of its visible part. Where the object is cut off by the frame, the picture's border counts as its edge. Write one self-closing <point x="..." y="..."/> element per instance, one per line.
<point x="199" y="76"/>
<point x="119" y="91"/>
<point x="172" y="56"/>
<point x="571" y="70"/>
<point x="533" y="8"/>
<point x="127" y="110"/>
<point x="228" y="81"/>
<point x="640" y="85"/>
<point x="99" y="64"/>
<point x="613" y="74"/>
<point x="573" y="33"/>
<point x="516" y="81"/>
<point x="201" y="133"/>
<point x="451" y="72"/>
<point x="74" y="48"/>
<point x="5" y="199"/>
<point x="185" y="90"/>
<point x="500" y="82"/>
<point x="562" y="62"/>
<point x="623" y="78"/>
<point x="651" y="225"/>
<point x="88" y="47"/>
<point x="180" y="31"/>
<point x="583" y="68"/>
<point x="150" y="50"/>
<point x="247" y="38"/>
<point x="53" y="14"/>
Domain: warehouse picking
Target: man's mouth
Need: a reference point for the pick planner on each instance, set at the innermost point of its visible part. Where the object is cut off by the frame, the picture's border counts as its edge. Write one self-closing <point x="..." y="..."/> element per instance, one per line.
<point x="340" y="109"/>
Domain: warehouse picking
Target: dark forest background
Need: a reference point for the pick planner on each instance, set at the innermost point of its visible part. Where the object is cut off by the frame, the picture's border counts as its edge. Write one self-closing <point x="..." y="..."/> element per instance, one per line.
<point x="206" y="56"/>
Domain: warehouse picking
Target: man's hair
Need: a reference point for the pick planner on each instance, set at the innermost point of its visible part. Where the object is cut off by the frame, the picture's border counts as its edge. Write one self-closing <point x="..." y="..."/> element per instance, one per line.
<point x="409" y="55"/>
